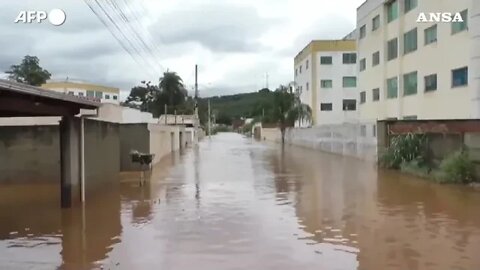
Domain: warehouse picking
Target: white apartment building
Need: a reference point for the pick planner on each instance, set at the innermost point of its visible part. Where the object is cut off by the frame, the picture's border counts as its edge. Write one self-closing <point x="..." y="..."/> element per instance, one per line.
<point x="326" y="78"/>
<point x="103" y="93"/>
<point x="418" y="70"/>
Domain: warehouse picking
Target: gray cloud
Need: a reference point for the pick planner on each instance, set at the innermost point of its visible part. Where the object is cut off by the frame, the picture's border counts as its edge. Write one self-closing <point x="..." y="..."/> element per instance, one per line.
<point x="221" y="27"/>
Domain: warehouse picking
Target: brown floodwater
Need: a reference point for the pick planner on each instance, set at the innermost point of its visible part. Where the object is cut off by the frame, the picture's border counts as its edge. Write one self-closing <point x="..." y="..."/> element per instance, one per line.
<point x="233" y="203"/>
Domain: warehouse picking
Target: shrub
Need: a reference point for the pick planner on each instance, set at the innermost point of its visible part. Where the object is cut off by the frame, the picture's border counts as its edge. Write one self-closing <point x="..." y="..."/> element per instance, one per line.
<point x="457" y="168"/>
<point x="404" y="148"/>
<point x="416" y="167"/>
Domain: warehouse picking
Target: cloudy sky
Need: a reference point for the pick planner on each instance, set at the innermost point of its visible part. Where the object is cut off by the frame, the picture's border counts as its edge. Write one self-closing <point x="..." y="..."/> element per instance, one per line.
<point x="234" y="42"/>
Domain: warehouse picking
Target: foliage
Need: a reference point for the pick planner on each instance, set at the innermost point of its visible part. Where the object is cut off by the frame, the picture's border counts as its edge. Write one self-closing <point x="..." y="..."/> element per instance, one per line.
<point x="404" y="148"/>
<point x="153" y="98"/>
<point x="29" y="72"/>
<point x="415" y="167"/>
<point x="231" y="107"/>
<point x="457" y="168"/>
<point x="288" y="108"/>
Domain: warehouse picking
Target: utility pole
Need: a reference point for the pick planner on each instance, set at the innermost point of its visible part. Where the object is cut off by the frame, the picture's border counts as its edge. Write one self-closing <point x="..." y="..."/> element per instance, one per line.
<point x="266" y="80"/>
<point x="209" y="121"/>
<point x="166" y="114"/>
<point x="196" y="90"/>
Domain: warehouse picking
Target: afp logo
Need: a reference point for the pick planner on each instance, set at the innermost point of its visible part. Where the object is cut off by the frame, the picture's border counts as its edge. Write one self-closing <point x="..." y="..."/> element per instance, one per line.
<point x="56" y="17"/>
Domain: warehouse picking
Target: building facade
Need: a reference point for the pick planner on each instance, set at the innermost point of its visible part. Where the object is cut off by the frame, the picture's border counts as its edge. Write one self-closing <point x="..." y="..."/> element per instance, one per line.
<point x="418" y="70"/>
<point x="325" y="77"/>
<point x="104" y="93"/>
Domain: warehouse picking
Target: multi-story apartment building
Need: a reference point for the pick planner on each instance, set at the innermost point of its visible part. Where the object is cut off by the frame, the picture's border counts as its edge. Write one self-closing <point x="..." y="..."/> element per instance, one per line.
<point x="418" y="70"/>
<point x="325" y="76"/>
<point x="104" y="93"/>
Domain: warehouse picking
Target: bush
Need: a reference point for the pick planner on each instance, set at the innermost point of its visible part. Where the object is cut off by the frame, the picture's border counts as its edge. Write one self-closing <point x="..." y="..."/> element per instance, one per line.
<point x="457" y="168"/>
<point x="404" y="148"/>
<point x="416" y="167"/>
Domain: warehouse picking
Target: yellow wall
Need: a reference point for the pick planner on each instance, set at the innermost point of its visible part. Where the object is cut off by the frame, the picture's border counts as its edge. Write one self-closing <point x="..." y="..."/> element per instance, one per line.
<point x="83" y="86"/>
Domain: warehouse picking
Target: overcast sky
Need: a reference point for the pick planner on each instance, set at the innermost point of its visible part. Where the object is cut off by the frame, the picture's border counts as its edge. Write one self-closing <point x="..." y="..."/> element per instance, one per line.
<point x="234" y="42"/>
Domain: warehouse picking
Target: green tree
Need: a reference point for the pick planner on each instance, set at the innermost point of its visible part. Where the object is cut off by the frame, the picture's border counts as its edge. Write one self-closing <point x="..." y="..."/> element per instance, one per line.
<point x="172" y="86"/>
<point x="288" y="109"/>
<point x="29" y="72"/>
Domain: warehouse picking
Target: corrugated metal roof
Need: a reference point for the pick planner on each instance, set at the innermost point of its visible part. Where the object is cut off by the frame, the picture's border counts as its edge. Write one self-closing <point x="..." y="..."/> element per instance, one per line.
<point x="8" y="85"/>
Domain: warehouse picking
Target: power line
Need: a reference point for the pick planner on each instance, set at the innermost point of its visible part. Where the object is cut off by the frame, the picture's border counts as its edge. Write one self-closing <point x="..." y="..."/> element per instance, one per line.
<point x="125" y="42"/>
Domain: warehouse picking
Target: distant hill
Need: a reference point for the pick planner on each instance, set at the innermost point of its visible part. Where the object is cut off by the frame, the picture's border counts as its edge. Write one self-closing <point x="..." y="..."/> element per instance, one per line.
<point x="230" y="107"/>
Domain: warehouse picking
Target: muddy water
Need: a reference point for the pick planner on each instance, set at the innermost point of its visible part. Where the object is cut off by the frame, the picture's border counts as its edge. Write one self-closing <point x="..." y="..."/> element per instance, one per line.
<point x="237" y="204"/>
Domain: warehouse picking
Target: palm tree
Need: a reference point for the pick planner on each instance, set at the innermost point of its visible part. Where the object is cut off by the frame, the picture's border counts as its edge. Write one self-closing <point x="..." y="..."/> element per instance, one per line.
<point x="288" y="108"/>
<point x="171" y="84"/>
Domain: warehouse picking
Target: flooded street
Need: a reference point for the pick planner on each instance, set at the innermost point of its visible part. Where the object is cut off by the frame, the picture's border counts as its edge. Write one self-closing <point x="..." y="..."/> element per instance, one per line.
<point x="233" y="203"/>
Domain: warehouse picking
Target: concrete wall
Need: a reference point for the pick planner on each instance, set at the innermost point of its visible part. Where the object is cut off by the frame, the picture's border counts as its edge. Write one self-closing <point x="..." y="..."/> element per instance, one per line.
<point x="356" y="140"/>
<point x="155" y="139"/>
<point x="132" y="137"/>
<point x="29" y="154"/>
<point x="102" y="154"/>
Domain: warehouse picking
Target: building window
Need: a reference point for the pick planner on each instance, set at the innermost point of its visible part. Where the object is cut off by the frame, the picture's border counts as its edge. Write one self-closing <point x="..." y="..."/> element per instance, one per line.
<point x="90" y="93"/>
<point x="99" y="94"/>
<point x="392" y="87"/>
<point x="363" y="64"/>
<point x="80" y="94"/>
<point x="115" y="97"/>
<point x="349" y="58"/>
<point x="326" y="84"/>
<point x="349" y="82"/>
<point x="410" y="41"/>
<point x="325" y="60"/>
<point x="307" y="86"/>
<point x="431" y="83"/>
<point x="410" y="4"/>
<point x="410" y="117"/>
<point x="431" y="34"/>
<point x="460" y="77"/>
<point x="376" y="23"/>
<point x="71" y="93"/>
<point x="363" y="97"/>
<point x="296" y="72"/>
<point x="460" y="26"/>
<point x="363" y="130"/>
<point x="300" y="70"/>
<point x="392" y="11"/>
<point x="363" y="31"/>
<point x="306" y="65"/>
<point x="410" y="83"/>
<point x="374" y="130"/>
<point x="326" y="107"/>
<point x="107" y="96"/>
<point x="375" y="59"/>
<point x="376" y="94"/>
<point x="392" y="49"/>
<point x="349" y="105"/>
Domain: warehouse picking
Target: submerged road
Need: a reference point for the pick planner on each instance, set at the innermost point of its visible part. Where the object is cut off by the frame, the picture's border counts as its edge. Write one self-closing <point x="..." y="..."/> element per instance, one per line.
<point x="233" y="203"/>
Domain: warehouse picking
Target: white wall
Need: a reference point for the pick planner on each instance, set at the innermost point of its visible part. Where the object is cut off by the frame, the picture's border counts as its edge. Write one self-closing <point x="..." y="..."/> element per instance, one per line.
<point x="119" y="114"/>
<point x="337" y="93"/>
<point x="449" y="52"/>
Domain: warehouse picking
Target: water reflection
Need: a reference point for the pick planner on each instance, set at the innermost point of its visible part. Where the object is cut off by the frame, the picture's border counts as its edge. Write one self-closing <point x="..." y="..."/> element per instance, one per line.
<point x="390" y="221"/>
<point x="234" y="203"/>
<point x="33" y="229"/>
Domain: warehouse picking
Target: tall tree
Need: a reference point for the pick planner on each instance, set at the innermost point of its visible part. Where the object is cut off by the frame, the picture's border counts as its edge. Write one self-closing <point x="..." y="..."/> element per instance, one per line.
<point x="29" y="71"/>
<point x="288" y="109"/>
<point x="172" y="86"/>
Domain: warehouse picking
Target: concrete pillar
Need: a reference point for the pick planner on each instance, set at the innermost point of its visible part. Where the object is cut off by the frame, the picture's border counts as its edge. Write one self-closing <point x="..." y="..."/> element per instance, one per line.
<point x="70" y="161"/>
<point x="474" y="65"/>
<point x="382" y="138"/>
